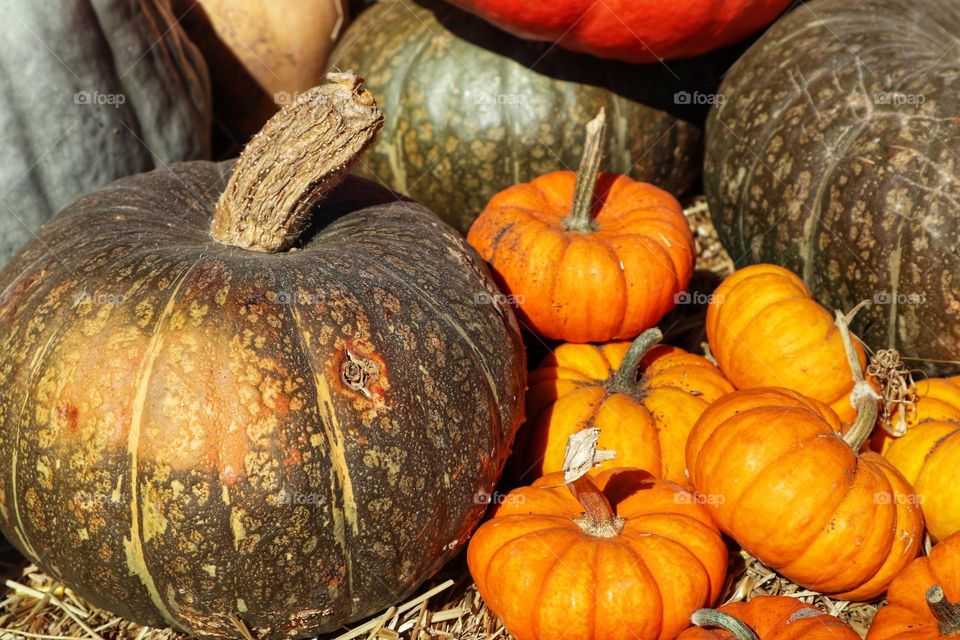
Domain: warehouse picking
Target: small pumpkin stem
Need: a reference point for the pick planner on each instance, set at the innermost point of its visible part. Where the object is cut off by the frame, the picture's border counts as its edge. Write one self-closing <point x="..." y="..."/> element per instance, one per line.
<point x="863" y="397"/>
<point x="301" y="154"/>
<point x="713" y="618"/>
<point x="582" y="455"/>
<point x="946" y="613"/>
<point x="625" y="379"/>
<point x="579" y="218"/>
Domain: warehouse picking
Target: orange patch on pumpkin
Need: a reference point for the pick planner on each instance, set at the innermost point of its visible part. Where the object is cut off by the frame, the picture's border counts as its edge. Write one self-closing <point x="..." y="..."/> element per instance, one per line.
<point x="67" y="416"/>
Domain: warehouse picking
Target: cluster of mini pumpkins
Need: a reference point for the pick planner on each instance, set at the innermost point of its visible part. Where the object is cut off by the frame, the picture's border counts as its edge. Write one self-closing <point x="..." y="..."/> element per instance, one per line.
<point x="771" y="446"/>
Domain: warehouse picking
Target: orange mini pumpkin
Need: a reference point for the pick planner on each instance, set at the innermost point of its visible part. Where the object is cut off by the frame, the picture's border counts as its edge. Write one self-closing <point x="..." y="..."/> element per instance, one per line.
<point x="618" y="556"/>
<point x="928" y="454"/>
<point x="587" y="260"/>
<point x="766" y="330"/>
<point x="784" y="483"/>
<point x="922" y="601"/>
<point x="767" y="618"/>
<point x="644" y="397"/>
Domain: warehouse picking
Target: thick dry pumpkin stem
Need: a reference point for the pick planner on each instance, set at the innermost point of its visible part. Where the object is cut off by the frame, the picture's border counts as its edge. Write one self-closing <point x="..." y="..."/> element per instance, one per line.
<point x="582" y="205"/>
<point x="301" y="154"/>
<point x="720" y="620"/>
<point x="946" y="613"/>
<point x="625" y="379"/>
<point x="598" y="517"/>
<point x="582" y="455"/>
<point x="863" y="397"/>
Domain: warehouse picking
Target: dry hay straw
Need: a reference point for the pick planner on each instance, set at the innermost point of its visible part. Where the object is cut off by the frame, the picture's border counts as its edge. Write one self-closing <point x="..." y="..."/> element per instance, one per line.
<point x="448" y="607"/>
<point x="711" y="256"/>
<point x="34" y="605"/>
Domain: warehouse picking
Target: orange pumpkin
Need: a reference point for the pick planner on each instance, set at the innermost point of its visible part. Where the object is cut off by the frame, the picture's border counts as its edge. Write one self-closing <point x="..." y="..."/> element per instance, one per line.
<point x="922" y="601"/>
<point x="766" y="330"/>
<point x="644" y="397"/>
<point x="928" y="454"/>
<point x="783" y="482"/>
<point x="587" y="259"/>
<point x="767" y="618"/>
<point x="617" y="556"/>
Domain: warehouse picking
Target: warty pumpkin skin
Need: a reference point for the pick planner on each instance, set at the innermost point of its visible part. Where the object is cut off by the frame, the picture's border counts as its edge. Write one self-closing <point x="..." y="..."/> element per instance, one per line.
<point x="645" y="398"/>
<point x="195" y="433"/>
<point x="766" y="330"/>
<point x="767" y="618"/>
<point x="587" y="257"/>
<point x="780" y="479"/>
<point x="833" y="155"/>
<point x="541" y="570"/>
<point x="476" y="110"/>
<point x="916" y="609"/>
<point x="928" y="455"/>
<point x="643" y="31"/>
<point x="93" y="91"/>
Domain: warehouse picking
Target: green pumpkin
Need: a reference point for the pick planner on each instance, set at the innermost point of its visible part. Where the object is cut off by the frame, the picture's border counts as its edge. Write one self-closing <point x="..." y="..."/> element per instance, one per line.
<point x="474" y="110"/>
<point x="93" y="91"/>
<point x="835" y="155"/>
<point x="205" y="430"/>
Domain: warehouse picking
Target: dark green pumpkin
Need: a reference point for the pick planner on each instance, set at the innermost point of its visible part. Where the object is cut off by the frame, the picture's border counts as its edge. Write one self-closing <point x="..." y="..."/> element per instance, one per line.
<point x="475" y="110"/>
<point x="835" y="155"/>
<point x="93" y="90"/>
<point x="200" y="435"/>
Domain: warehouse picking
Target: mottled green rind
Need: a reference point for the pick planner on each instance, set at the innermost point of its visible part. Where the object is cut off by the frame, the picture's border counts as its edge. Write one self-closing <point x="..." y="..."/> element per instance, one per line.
<point x="145" y="369"/>
<point x="472" y="110"/>
<point x="55" y="150"/>
<point x="807" y="167"/>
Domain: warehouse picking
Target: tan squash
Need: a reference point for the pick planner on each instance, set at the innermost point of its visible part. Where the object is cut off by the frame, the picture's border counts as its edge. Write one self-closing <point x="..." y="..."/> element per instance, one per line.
<point x="261" y="53"/>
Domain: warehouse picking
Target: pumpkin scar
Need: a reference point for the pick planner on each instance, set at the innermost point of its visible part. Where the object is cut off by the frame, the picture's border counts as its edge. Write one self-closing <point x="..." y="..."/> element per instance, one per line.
<point x="359" y="373"/>
<point x="338" y="460"/>
<point x="136" y="562"/>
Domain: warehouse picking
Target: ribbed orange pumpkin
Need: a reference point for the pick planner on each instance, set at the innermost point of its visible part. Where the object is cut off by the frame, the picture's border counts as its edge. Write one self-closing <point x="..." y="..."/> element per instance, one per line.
<point x="784" y="483"/>
<point x="766" y="330"/>
<point x="780" y="479"/>
<point x="587" y="259"/>
<point x="767" y="618"/>
<point x="922" y="601"/>
<point x="644" y="397"/>
<point x="928" y="455"/>
<point x="628" y="558"/>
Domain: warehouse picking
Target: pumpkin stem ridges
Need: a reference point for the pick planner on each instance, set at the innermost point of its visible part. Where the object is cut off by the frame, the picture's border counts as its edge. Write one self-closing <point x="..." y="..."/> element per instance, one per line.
<point x="301" y="154"/>
<point x="946" y="613"/>
<point x="725" y="621"/>
<point x="625" y="379"/>
<point x="582" y="204"/>
<point x="863" y="397"/>
<point x="598" y="517"/>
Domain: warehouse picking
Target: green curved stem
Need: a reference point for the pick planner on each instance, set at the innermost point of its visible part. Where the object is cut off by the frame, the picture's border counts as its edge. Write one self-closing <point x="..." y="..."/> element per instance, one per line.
<point x="579" y="218"/>
<point x="725" y="621"/>
<point x="625" y="379"/>
<point x="946" y="613"/>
